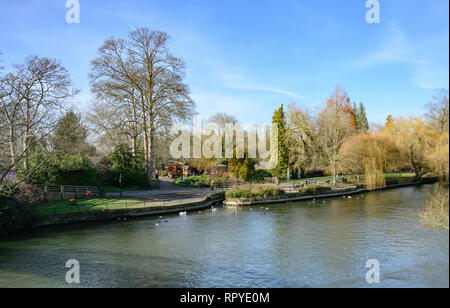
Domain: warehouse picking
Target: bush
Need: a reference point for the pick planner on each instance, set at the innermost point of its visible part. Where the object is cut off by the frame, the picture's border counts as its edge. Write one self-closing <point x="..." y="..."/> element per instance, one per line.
<point x="64" y="170"/>
<point x="13" y="217"/>
<point x="130" y="178"/>
<point x="253" y="191"/>
<point x="435" y="214"/>
<point x="314" y="190"/>
<point x="242" y="168"/>
<point x="194" y="181"/>
<point x="261" y="175"/>
<point x="80" y="177"/>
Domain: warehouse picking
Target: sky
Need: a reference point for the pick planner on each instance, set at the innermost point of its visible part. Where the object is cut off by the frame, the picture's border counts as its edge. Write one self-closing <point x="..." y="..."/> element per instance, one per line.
<point x="248" y="57"/>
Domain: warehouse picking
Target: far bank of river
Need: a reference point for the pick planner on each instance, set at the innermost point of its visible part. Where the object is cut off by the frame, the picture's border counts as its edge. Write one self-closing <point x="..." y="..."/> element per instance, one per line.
<point x="213" y="199"/>
<point x="293" y="197"/>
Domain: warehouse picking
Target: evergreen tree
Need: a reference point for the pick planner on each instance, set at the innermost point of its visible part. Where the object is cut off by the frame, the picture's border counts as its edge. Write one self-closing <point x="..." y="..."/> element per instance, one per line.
<point x="242" y="168"/>
<point x="362" y="124"/>
<point x="70" y="137"/>
<point x="283" y="152"/>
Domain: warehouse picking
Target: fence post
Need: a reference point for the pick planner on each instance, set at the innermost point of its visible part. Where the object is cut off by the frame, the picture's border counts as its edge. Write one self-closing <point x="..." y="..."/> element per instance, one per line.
<point x="62" y="192"/>
<point x="76" y="192"/>
<point x="46" y="193"/>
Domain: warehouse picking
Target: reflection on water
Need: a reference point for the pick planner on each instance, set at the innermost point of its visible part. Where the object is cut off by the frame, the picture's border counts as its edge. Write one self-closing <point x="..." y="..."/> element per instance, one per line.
<point x="325" y="244"/>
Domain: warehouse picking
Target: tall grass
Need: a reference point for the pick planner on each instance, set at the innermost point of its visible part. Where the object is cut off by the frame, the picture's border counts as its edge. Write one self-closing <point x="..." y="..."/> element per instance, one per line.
<point x="436" y="211"/>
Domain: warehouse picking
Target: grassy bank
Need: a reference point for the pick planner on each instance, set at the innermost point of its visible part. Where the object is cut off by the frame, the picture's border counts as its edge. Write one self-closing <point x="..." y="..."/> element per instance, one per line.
<point x="246" y="194"/>
<point x="95" y="204"/>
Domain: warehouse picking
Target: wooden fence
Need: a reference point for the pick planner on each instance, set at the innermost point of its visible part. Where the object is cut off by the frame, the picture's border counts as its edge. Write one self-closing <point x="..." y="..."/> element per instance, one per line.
<point x="64" y="192"/>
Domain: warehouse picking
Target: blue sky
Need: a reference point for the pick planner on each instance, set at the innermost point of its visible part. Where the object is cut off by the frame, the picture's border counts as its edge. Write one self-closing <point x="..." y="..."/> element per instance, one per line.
<point x="247" y="57"/>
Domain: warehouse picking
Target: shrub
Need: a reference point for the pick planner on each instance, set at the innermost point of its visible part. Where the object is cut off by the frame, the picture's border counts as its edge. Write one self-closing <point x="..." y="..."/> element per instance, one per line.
<point x="130" y="178"/>
<point x="242" y="168"/>
<point x="314" y="190"/>
<point x="194" y="181"/>
<point x="10" y="218"/>
<point x="253" y="191"/>
<point x="64" y="170"/>
<point x="261" y="175"/>
<point x="435" y="214"/>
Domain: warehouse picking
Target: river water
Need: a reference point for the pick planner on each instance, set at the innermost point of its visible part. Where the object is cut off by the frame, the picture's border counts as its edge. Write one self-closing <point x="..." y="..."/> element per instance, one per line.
<point x="325" y="244"/>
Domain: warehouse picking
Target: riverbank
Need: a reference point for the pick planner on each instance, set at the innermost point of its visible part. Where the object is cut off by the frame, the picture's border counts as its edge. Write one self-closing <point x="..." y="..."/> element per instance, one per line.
<point x="112" y="214"/>
<point x="211" y="200"/>
<point x="293" y="197"/>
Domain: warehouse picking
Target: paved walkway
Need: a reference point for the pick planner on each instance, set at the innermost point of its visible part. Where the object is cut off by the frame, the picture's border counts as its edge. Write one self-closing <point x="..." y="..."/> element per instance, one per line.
<point x="166" y="192"/>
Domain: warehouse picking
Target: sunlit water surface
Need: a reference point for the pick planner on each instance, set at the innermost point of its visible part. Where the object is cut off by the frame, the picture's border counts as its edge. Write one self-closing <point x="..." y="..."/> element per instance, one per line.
<point x="325" y="244"/>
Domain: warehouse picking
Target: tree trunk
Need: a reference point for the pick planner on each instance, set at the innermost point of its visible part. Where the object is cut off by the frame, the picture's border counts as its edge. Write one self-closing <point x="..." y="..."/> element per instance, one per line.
<point x="11" y="146"/>
<point x="150" y="154"/>
<point x="334" y="172"/>
<point x="26" y="165"/>
<point x="148" y="151"/>
<point x="134" y="150"/>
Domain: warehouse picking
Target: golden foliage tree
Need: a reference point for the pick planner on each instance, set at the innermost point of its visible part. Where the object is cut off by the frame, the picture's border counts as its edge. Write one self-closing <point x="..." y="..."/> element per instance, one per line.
<point x="340" y="101"/>
<point x="416" y="141"/>
<point x="369" y="154"/>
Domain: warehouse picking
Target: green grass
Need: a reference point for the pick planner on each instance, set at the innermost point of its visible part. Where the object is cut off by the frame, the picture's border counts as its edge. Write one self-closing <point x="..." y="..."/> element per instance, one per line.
<point x="405" y="175"/>
<point x="94" y="204"/>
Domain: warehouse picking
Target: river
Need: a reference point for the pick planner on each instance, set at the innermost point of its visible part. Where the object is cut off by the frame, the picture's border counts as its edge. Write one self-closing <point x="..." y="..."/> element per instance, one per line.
<point x="305" y="244"/>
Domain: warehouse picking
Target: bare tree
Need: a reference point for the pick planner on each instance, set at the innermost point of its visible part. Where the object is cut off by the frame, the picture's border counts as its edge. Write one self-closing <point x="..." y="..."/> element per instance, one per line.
<point x="142" y="69"/>
<point x="438" y="111"/>
<point x="334" y="126"/>
<point x="301" y="139"/>
<point x="115" y="123"/>
<point x="222" y="119"/>
<point x="31" y="96"/>
<point x="10" y="103"/>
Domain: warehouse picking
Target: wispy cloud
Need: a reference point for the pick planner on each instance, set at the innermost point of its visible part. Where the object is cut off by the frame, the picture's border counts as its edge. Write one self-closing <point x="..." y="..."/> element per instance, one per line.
<point x="425" y="56"/>
<point x="244" y="83"/>
<point x="130" y="25"/>
<point x="393" y="50"/>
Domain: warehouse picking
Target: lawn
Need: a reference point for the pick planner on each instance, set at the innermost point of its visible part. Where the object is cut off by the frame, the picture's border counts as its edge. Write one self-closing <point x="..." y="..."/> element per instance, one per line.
<point x="93" y="204"/>
<point x="405" y="176"/>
